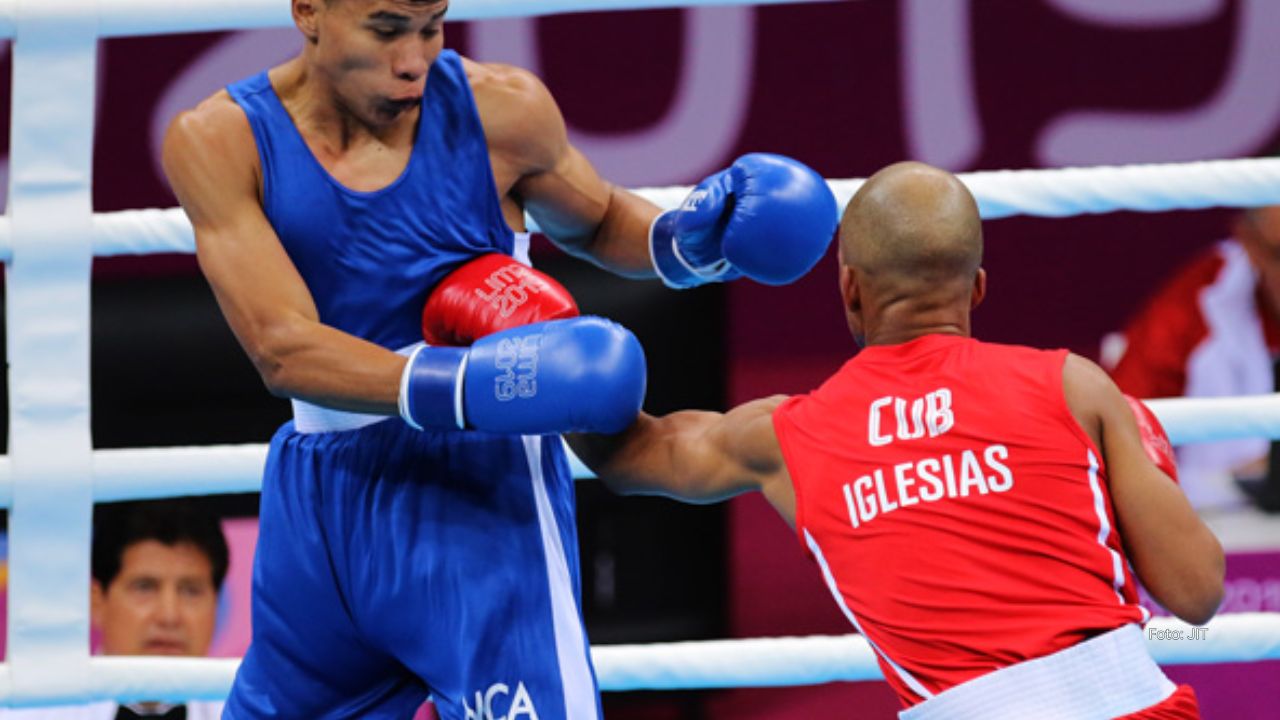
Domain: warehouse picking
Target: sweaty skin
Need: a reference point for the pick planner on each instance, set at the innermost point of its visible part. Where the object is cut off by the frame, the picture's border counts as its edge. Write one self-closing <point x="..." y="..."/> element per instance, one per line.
<point x="354" y="94"/>
<point x="910" y="265"/>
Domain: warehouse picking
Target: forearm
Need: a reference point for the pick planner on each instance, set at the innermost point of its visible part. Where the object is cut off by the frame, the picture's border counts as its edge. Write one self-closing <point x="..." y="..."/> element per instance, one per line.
<point x="310" y="361"/>
<point x="673" y="456"/>
<point x="619" y="243"/>
<point x="1175" y="555"/>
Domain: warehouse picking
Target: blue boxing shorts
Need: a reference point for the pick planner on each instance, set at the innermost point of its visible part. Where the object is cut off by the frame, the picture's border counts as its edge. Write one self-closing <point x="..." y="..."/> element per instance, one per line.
<point x="392" y="564"/>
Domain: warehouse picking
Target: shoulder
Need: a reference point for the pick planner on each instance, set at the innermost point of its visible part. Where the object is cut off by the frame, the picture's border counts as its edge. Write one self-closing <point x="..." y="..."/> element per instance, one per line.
<point x="1082" y="371"/>
<point x="218" y="119"/>
<point x="520" y="118"/>
<point x="1091" y="394"/>
<point x="505" y="89"/>
<point x="211" y="143"/>
<point x="754" y="422"/>
<point x="1084" y="382"/>
<point x="761" y="410"/>
<point x="215" y="133"/>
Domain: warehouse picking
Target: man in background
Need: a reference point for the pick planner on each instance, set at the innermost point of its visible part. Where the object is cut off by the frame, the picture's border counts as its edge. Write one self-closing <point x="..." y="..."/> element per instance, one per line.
<point x="157" y="570"/>
<point x="1213" y="330"/>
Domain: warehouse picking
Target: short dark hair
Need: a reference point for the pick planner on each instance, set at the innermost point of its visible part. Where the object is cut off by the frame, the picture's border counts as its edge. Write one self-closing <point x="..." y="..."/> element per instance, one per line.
<point x="117" y="526"/>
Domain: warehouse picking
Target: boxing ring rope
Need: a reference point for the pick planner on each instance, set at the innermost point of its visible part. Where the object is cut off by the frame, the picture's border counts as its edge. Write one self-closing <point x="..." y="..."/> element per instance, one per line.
<point x="148" y="473"/>
<point x="135" y="18"/>
<point x="759" y="662"/>
<point x="1058" y="192"/>
<point x="53" y="475"/>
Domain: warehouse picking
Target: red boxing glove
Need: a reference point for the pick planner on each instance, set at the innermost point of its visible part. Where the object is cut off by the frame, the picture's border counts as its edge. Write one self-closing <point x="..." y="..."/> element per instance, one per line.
<point x="1154" y="439"/>
<point x="488" y="294"/>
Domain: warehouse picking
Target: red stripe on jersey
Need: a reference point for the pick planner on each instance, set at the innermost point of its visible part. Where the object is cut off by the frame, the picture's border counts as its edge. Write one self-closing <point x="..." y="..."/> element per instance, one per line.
<point x="948" y="487"/>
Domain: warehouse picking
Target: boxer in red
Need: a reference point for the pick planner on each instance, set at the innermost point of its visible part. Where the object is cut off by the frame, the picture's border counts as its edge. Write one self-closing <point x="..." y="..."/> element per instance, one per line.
<point x="981" y="512"/>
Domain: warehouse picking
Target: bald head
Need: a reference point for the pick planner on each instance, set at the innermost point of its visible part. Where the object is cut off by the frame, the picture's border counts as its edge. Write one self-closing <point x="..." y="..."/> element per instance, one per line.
<point x="912" y="225"/>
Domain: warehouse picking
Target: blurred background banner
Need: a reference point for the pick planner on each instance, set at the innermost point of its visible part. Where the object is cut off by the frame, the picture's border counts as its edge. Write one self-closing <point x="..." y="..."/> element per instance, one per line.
<point x="664" y="97"/>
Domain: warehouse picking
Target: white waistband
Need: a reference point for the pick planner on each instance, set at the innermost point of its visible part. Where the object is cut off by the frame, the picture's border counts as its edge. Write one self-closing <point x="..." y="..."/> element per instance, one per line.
<point x="310" y="418"/>
<point x="1103" y="677"/>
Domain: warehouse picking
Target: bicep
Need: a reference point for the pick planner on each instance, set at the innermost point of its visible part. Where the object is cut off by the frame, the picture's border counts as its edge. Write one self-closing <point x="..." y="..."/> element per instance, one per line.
<point x="567" y="198"/>
<point x="555" y="183"/>
<point x="590" y="218"/>
<point x="253" y="279"/>
<point x="211" y="161"/>
<point x="212" y="173"/>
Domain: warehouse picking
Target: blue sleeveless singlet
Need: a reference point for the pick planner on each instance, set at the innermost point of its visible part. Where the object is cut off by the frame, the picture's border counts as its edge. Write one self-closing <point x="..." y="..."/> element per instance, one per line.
<point x="369" y="258"/>
<point x="390" y="562"/>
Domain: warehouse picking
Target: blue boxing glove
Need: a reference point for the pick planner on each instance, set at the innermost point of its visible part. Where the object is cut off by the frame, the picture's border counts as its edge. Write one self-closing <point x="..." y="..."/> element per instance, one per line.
<point x="584" y="374"/>
<point x="767" y="217"/>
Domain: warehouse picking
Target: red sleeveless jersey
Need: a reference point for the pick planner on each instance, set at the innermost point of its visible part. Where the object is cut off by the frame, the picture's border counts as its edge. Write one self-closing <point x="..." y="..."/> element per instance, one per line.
<point x="959" y="513"/>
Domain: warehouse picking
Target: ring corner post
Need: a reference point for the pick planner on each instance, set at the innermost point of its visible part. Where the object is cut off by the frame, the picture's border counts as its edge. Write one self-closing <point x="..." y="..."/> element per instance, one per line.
<point x="47" y="314"/>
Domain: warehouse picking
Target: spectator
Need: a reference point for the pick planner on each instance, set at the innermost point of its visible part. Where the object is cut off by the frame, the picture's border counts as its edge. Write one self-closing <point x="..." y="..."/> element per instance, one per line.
<point x="157" y="571"/>
<point x="1213" y="329"/>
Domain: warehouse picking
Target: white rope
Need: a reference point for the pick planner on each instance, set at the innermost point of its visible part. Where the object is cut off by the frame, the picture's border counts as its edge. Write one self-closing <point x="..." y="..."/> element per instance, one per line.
<point x="1144" y="188"/>
<point x="160" y="472"/>
<point x="1189" y="420"/>
<point x="770" y="662"/>
<point x="123" y="678"/>
<point x="130" y="18"/>
<point x="1232" y="637"/>
<point x="142" y="473"/>
<point x="1045" y="193"/>
<point x="757" y="662"/>
<point x="140" y="232"/>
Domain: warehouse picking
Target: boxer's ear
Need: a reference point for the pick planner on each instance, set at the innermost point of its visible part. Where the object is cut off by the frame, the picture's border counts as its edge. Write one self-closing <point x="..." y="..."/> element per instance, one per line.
<point x="851" y="298"/>
<point x="306" y="17"/>
<point x="979" y="288"/>
<point x="850" y="293"/>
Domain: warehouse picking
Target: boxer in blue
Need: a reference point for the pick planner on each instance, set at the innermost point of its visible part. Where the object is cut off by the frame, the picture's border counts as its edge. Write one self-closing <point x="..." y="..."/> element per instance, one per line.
<point x="417" y="529"/>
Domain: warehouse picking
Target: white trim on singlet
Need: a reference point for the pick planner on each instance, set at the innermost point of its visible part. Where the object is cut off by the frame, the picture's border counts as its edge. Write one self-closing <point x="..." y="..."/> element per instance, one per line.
<point x="571" y="641"/>
<point x="902" y="674"/>
<point x="520" y="248"/>
<point x="1104" y="533"/>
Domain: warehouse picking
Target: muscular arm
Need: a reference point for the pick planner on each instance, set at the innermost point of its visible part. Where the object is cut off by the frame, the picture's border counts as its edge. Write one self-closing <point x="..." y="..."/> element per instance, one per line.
<point x="585" y="215"/>
<point x="1174" y="553"/>
<point x="695" y="456"/>
<point x="211" y="161"/>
